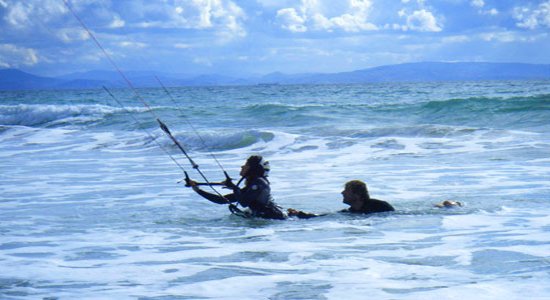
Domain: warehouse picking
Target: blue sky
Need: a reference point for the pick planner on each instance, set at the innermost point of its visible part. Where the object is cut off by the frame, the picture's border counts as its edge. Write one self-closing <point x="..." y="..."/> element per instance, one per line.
<point x="234" y="37"/>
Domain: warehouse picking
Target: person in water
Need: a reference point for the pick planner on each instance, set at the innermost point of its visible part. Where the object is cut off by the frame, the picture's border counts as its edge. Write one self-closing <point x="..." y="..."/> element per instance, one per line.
<point x="448" y="204"/>
<point x="356" y="195"/>
<point x="256" y="193"/>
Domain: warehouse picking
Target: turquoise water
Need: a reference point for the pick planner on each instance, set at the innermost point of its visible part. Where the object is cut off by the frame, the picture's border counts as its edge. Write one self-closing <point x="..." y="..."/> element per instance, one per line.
<point x="90" y="207"/>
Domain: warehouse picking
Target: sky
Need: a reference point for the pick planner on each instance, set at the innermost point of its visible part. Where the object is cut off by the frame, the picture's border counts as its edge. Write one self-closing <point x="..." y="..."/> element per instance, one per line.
<point x="255" y="37"/>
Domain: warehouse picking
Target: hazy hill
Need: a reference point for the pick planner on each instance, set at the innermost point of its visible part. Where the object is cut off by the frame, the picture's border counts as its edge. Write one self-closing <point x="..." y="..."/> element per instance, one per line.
<point x="12" y="79"/>
<point x="429" y="71"/>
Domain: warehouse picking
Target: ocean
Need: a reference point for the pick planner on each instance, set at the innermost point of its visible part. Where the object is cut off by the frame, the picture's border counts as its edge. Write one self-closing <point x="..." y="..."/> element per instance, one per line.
<point x="91" y="207"/>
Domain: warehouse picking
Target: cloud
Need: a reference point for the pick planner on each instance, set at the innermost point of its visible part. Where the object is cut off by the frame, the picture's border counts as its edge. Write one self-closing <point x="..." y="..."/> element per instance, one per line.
<point x="17" y="15"/>
<point x="117" y="22"/>
<point x="203" y="61"/>
<point x="132" y="45"/>
<point x="221" y="15"/>
<point x="477" y="3"/>
<point x="233" y="20"/>
<point x="22" y="14"/>
<point x="511" y="37"/>
<point x="291" y="20"/>
<point x="182" y="46"/>
<point x="25" y="20"/>
<point x="309" y="16"/>
<point x="226" y="36"/>
<point x="353" y="21"/>
<point x="420" y="20"/>
<point x="456" y="39"/>
<point x="480" y="4"/>
<point x="503" y="37"/>
<point x="68" y="35"/>
<point x="533" y="18"/>
<point x="14" y="56"/>
<point x="492" y="12"/>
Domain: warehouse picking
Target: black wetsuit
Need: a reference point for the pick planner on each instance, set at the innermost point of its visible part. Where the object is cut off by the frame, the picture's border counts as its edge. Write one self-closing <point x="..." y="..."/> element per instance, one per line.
<point x="370" y="206"/>
<point x="256" y="195"/>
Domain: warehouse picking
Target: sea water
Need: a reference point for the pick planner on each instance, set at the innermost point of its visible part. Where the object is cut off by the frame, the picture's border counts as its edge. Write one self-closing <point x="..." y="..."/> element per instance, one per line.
<point x="91" y="207"/>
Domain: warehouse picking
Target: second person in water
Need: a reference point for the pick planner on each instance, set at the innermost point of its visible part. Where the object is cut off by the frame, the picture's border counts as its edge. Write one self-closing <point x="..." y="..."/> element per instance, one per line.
<point x="356" y="195"/>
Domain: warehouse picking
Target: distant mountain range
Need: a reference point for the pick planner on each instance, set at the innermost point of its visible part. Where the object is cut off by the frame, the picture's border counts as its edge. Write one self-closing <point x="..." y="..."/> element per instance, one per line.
<point x="13" y="79"/>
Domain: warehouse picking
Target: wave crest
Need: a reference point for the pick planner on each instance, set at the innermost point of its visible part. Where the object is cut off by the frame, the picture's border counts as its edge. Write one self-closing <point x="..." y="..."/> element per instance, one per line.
<point x="35" y="115"/>
<point x="228" y="141"/>
<point x="488" y="105"/>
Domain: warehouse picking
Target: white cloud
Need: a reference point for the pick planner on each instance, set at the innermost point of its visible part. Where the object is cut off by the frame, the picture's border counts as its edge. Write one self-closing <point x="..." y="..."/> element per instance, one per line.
<point x="477" y="3"/>
<point x="40" y="18"/>
<point x="134" y="45"/>
<point x="291" y="20"/>
<point x="221" y="15"/>
<point x="419" y="20"/>
<point x="17" y="15"/>
<point x="353" y="21"/>
<point x="94" y="57"/>
<point x="310" y="16"/>
<point x="203" y="61"/>
<point x="402" y="13"/>
<point x="533" y="18"/>
<point x="117" y="22"/>
<point x="233" y="20"/>
<point x="492" y="12"/>
<point x="182" y="46"/>
<point x="507" y="37"/>
<point x="456" y="39"/>
<point x="23" y="14"/>
<point x="15" y="56"/>
<point x="480" y="4"/>
<point x="68" y="35"/>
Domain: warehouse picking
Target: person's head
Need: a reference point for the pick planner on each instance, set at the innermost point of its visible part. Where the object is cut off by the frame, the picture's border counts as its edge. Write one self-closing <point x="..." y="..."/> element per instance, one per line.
<point x="255" y="166"/>
<point x="355" y="193"/>
<point x="448" y="204"/>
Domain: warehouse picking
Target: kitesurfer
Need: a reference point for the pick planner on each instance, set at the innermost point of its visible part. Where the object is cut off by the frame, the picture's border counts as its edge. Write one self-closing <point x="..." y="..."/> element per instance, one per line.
<point x="356" y="195"/>
<point x="256" y="193"/>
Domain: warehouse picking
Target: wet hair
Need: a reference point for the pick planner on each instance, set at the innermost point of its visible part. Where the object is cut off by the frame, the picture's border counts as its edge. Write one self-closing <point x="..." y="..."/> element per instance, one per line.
<point x="259" y="167"/>
<point x="450" y="203"/>
<point x="358" y="187"/>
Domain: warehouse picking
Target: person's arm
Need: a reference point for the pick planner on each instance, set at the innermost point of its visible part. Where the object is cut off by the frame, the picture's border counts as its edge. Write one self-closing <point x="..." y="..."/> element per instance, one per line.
<point x="216" y="198"/>
<point x="301" y="214"/>
<point x="388" y="207"/>
<point x="212" y="197"/>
